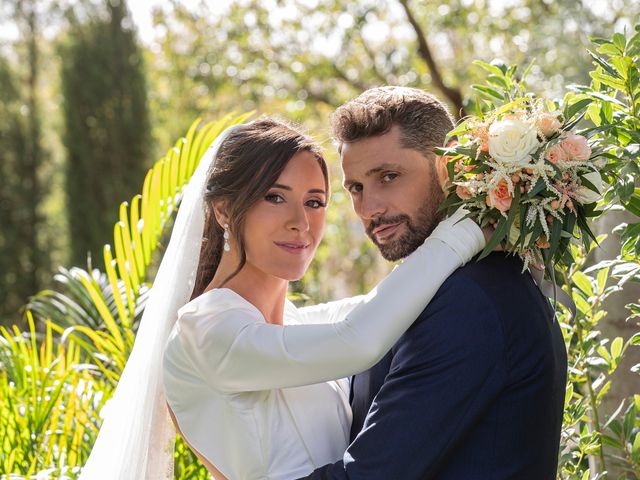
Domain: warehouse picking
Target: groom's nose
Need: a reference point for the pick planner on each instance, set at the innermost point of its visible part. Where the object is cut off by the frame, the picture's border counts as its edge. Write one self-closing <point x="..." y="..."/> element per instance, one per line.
<point x="371" y="206"/>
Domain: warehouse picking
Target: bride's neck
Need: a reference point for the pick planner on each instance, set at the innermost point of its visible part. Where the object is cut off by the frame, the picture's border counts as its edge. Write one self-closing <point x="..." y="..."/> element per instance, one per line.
<point x="266" y="292"/>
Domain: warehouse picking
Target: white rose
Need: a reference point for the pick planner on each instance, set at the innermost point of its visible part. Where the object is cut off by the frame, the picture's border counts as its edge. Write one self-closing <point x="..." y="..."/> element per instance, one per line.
<point x="584" y="194"/>
<point x="512" y="141"/>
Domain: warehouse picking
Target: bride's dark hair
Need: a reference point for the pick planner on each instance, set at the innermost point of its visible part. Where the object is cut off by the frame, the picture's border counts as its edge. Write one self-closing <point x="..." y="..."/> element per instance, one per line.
<point x="248" y="163"/>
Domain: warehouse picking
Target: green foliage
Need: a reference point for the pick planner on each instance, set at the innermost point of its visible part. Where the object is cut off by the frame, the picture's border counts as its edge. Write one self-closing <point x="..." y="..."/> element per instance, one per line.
<point x="615" y="113"/>
<point x="23" y="261"/>
<point x="593" y="360"/>
<point x="48" y="402"/>
<point x="51" y="394"/>
<point x="612" y="107"/>
<point x="107" y="123"/>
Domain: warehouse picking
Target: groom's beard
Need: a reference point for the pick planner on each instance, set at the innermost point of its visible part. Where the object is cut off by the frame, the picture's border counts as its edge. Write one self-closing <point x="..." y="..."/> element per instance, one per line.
<point x="418" y="228"/>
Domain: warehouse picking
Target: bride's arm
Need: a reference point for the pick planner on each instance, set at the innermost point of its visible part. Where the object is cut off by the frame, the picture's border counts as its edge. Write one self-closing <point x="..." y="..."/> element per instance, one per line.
<point x="237" y="353"/>
<point x="329" y="312"/>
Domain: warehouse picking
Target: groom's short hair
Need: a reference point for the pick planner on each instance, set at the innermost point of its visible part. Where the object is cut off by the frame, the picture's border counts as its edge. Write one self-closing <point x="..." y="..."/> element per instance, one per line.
<point x="424" y="120"/>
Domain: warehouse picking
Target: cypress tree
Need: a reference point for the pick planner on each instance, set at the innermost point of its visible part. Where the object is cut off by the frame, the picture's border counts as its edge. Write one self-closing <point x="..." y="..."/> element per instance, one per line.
<point x="14" y="287"/>
<point x="107" y="124"/>
<point x="25" y="261"/>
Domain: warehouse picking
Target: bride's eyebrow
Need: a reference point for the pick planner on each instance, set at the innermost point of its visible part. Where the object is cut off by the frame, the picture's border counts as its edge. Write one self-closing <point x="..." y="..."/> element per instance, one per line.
<point x="287" y="187"/>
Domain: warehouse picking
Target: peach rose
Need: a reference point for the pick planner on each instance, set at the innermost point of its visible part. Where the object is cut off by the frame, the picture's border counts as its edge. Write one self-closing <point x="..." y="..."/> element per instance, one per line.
<point x="500" y="197"/>
<point x="556" y="154"/>
<point x="548" y="123"/>
<point x="463" y="192"/>
<point x="576" y="147"/>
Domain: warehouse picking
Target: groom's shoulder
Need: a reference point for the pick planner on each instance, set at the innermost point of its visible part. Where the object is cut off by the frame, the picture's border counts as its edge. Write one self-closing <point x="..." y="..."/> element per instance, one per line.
<point x="488" y="286"/>
<point x="465" y="314"/>
<point x="498" y="269"/>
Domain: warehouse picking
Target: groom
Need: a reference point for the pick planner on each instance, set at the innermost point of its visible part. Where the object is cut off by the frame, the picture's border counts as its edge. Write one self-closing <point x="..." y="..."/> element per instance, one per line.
<point x="475" y="388"/>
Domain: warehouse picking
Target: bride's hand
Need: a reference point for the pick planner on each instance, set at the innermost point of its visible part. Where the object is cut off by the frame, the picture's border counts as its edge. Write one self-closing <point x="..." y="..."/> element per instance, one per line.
<point x="488" y="232"/>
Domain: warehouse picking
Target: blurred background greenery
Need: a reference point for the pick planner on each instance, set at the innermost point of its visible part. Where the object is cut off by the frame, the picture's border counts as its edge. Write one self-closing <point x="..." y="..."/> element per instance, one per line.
<point x="93" y="92"/>
<point x="86" y="106"/>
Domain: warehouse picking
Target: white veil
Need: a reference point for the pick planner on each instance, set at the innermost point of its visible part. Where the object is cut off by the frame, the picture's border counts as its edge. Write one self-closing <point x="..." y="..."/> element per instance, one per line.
<point x="136" y="440"/>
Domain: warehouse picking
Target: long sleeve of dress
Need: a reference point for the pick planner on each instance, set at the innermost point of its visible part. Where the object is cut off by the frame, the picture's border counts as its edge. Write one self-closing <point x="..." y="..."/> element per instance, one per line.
<point x="234" y="350"/>
<point x="329" y="312"/>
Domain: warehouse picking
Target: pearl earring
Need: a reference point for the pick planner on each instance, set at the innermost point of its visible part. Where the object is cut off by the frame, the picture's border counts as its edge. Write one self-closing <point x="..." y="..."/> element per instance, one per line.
<point x="227" y="247"/>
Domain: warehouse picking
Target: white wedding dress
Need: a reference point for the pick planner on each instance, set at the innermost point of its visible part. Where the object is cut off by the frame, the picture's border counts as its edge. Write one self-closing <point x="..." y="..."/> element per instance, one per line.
<point x="260" y="401"/>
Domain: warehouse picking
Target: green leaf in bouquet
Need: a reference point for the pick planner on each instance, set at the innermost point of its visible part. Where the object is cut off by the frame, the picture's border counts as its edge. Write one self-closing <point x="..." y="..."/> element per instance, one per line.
<point x="554" y="240"/>
<point x="489" y="68"/>
<point x="576" y="121"/>
<point x="498" y="80"/>
<point x="537" y="188"/>
<point x="575" y="108"/>
<point x="451" y="166"/>
<point x="527" y="71"/>
<point x="498" y="235"/>
<point x="584" y="181"/>
<point x="569" y="223"/>
<point x="536" y="231"/>
<point x="524" y="230"/>
<point x="468" y="151"/>
<point x="460" y="129"/>
<point x="451" y="201"/>
<point x="477" y="105"/>
<point x="488" y="92"/>
<point x="510" y="106"/>
<point x="584" y="228"/>
<point x="567" y="257"/>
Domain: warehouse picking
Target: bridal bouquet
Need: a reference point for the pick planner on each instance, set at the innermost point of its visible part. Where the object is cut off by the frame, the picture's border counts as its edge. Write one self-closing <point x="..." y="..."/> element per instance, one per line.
<point x="523" y="169"/>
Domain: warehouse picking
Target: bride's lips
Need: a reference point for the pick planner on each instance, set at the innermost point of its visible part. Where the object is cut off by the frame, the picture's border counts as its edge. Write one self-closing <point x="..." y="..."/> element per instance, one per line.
<point x="383" y="232"/>
<point x="295" y="248"/>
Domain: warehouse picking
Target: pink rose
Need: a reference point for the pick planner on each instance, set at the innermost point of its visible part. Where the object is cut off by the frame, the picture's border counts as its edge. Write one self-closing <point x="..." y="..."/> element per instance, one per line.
<point x="500" y="197"/>
<point x="463" y="192"/>
<point x="548" y="123"/>
<point x="576" y="147"/>
<point x="556" y="154"/>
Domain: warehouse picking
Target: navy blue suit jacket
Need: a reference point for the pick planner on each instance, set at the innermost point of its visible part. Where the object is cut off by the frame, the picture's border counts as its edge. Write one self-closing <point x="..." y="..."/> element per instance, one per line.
<point x="473" y="390"/>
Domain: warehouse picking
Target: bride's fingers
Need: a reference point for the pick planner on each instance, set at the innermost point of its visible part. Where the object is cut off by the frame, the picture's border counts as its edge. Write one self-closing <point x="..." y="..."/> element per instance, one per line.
<point x="488" y="232"/>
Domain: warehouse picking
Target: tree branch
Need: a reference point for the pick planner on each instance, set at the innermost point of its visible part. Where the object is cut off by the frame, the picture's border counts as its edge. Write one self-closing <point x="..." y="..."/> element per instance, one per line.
<point x="453" y="94"/>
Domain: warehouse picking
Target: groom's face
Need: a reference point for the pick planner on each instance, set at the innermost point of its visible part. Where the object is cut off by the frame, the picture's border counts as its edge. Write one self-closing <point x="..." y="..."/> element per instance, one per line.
<point x="395" y="191"/>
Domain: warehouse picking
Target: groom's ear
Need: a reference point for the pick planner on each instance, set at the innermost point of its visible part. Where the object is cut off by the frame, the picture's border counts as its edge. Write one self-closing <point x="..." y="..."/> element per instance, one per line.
<point x="220" y="212"/>
<point x="441" y="162"/>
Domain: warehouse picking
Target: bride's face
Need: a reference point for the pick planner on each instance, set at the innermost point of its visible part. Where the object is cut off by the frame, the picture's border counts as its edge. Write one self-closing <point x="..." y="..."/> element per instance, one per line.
<point x="283" y="230"/>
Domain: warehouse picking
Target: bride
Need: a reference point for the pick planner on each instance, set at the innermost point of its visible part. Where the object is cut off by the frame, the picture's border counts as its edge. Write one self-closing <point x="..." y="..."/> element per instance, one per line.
<point x="254" y="385"/>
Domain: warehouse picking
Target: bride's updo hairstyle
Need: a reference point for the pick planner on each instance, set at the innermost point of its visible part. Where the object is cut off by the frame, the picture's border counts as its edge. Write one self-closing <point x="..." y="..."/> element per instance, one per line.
<point x="249" y="162"/>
